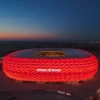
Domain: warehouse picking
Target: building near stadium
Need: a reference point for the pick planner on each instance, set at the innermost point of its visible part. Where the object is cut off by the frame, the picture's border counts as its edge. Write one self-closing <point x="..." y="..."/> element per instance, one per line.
<point x="50" y="65"/>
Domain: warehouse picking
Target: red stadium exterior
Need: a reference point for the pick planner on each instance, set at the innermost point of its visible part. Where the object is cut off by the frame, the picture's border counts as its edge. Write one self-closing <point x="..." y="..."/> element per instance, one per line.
<point x="48" y="69"/>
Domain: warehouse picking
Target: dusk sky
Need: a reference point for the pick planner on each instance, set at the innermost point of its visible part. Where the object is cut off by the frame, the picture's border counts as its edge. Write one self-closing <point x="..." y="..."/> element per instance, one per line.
<point x="50" y="20"/>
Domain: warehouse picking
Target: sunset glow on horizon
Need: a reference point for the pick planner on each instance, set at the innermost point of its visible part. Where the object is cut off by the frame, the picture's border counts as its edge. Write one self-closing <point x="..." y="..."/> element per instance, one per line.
<point x="4" y="35"/>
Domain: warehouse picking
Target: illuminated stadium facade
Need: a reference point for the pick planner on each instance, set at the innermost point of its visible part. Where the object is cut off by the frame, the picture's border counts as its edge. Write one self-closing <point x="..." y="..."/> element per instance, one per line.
<point x="50" y="65"/>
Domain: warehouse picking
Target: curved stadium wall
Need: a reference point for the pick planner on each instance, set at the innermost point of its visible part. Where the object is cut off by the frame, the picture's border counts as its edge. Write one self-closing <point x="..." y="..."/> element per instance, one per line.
<point x="50" y="69"/>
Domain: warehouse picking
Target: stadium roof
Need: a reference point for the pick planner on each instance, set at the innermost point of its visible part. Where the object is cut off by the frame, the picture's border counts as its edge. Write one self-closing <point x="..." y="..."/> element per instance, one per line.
<point x="70" y="53"/>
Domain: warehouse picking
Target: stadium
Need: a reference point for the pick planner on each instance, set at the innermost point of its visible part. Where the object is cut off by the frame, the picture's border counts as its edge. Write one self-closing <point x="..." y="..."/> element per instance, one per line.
<point x="50" y="65"/>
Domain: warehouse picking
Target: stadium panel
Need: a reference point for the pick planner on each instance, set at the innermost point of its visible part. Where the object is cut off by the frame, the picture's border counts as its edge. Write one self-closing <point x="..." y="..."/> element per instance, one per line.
<point x="50" y="65"/>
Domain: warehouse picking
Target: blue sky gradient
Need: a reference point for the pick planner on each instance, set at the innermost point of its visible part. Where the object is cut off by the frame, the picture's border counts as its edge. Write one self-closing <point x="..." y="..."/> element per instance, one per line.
<point x="50" y="19"/>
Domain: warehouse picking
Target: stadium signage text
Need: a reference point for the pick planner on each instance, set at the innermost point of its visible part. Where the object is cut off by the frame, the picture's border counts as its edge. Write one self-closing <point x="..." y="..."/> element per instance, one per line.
<point x="48" y="70"/>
